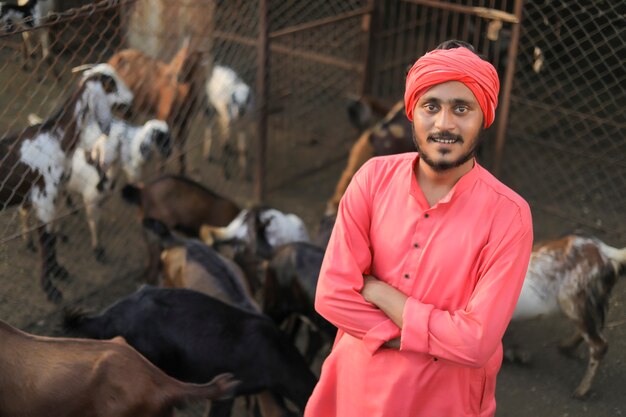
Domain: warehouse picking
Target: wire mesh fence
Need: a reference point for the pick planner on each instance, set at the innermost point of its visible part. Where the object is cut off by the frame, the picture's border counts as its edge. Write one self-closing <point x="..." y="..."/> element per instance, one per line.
<point x="563" y="148"/>
<point x="565" y="140"/>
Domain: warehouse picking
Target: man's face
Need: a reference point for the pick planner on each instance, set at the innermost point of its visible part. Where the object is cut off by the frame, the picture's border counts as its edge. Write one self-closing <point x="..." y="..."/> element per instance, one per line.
<point x="446" y="122"/>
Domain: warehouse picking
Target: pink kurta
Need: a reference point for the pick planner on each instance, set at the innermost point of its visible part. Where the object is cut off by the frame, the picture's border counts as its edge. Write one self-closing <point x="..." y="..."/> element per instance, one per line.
<point x="461" y="262"/>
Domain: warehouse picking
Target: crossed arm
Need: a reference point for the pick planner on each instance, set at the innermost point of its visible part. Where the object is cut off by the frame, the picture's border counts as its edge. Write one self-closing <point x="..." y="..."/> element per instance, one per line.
<point x="387" y="298"/>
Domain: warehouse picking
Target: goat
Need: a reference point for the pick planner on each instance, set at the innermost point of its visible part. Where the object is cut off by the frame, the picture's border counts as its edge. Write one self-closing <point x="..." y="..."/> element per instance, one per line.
<point x="126" y="146"/>
<point x="361" y="111"/>
<point x="192" y="337"/>
<point x="63" y="377"/>
<point x="262" y="228"/>
<point x="573" y="275"/>
<point x="93" y="173"/>
<point x="130" y="147"/>
<point x="28" y="15"/>
<point x="231" y="98"/>
<point x="289" y="290"/>
<point x="254" y="234"/>
<point x="182" y="205"/>
<point x="35" y="165"/>
<point x="167" y="90"/>
<point x="391" y="135"/>
<point x="189" y="263"/>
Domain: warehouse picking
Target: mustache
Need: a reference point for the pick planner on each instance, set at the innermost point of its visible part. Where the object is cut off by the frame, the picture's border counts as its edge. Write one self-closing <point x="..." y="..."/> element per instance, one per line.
<point x="445" y="136"/>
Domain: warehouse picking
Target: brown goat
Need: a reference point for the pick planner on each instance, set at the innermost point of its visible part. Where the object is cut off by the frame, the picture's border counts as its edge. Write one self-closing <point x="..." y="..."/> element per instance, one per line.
<point x="63" y="377"/>
<point x="167" y="90"/>
<point x="390" y="135"/>
<point x="182" y="205"/>
<point x="573" y="275"/>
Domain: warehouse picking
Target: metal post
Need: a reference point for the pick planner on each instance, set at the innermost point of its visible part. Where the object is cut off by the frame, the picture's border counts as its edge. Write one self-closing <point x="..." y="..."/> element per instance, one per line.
<point x="262" y="98"/>
<point x="506" y="90"/>
<point x="368" y="22"/>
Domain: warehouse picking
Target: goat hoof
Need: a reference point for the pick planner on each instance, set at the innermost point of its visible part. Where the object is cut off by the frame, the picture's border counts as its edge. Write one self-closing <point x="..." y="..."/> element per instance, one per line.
<point x="98" y="252"/>
<point x="581" y="393"/>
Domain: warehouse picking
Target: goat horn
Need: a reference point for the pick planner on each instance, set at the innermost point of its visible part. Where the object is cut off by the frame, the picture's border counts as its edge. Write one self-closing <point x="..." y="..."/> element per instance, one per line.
<point x="82" y="68"/>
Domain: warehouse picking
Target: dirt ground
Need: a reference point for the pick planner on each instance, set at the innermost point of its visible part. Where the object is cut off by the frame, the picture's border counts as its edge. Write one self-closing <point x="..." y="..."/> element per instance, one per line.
<point x="542" y="389"/>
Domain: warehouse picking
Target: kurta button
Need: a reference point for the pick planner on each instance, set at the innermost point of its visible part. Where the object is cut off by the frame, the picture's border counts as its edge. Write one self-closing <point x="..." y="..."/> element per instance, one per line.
<point x="406" y="276"/>
<point x="426" y="215"/>
<point x="435" y="359"/>
<point x="415" y="245"/>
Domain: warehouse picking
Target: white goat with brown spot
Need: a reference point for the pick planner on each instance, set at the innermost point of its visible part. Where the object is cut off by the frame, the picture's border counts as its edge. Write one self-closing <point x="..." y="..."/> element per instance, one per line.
<point x="573" y="275"/>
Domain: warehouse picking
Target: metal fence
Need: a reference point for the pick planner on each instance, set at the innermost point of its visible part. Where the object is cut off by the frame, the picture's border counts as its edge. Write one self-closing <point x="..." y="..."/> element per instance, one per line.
<point x="559" y="139"/>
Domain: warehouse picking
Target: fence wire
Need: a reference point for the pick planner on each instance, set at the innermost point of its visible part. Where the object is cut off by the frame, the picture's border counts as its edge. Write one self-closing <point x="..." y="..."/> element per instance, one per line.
<point x="565" y="149"/>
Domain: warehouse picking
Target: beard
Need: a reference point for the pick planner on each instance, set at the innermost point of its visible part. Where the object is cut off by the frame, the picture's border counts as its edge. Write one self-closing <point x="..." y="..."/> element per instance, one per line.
<point x="441" y="166"/>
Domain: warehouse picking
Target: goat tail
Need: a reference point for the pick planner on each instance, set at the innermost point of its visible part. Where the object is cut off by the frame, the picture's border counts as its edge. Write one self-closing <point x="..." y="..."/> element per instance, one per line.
<point x="222" y="387"/>
<point x="73" y="319"/>
<point x="132" y="194"/>
<point x="617" y="256"/>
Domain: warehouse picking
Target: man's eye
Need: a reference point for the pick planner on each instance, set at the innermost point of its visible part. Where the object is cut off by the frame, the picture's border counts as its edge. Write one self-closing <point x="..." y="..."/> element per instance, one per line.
<point x="430" y="107"/>
<point x="462" y="110"/>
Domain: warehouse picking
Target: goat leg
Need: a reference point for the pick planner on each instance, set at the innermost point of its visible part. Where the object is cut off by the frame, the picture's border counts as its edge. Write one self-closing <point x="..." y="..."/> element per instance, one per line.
<point x="597" y="349"/>
<point x="26" y="234"/>
<point x="242" y="151"/>
<point x="92" y="212"/>
<point x="208" y="144"/>
<point x="44" y="37"/>
<point x="26" y="48"/>
<point x="49" y="265"/>
<point x="153" y="262"/>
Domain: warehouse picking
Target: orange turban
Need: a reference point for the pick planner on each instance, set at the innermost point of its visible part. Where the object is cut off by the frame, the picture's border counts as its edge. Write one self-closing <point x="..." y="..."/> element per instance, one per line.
<point x="457" y="64"/>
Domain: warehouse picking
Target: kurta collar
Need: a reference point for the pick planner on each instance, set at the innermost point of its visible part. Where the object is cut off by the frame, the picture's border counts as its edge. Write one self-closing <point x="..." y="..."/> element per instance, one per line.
<point x="465" y="182"/>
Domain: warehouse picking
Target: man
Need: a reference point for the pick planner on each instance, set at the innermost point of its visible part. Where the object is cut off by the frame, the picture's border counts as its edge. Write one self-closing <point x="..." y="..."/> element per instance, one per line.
<point x="426" y="260"/>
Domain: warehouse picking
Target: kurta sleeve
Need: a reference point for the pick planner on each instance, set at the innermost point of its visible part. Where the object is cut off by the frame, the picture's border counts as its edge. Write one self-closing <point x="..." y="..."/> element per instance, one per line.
<point x="347" y="258"/>
<point x="470" y="336"/>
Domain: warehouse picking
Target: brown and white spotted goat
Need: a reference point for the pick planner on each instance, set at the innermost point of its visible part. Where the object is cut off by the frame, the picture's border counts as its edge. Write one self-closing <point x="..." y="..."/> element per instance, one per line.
<point x="35" y="162"/>
<point x="573" y="275"/>
<point x="391" y="135"/>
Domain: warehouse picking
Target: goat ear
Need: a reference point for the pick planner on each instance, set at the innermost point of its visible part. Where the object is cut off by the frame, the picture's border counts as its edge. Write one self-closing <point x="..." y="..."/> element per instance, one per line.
<point x="82" y="68"/>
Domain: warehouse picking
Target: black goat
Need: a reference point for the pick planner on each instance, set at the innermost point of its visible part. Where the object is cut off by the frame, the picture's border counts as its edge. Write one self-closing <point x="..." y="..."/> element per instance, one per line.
<point x="289" y="289"/>
<point x="194" y="337"/>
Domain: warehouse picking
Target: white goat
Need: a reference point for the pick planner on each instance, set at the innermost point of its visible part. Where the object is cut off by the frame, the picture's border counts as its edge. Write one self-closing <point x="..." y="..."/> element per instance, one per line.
<point x="573" y="275"/>
<point x="95" y="168"/>
<point x="272" y="226"/>
<point x="231" y="98"/>
<point x="131" y="147"/>
<point x="28" y="15"/>
<point x="36" y="161"/>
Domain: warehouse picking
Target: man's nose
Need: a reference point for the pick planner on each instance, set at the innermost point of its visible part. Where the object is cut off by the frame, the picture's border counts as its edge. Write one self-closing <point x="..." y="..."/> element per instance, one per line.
<point x="444" y="121"/>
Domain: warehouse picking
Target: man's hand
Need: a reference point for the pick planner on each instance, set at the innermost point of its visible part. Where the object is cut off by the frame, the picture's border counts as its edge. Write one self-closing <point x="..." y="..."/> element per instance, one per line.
<point x="369" y="288"/>
<point x="389" y="299"/>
